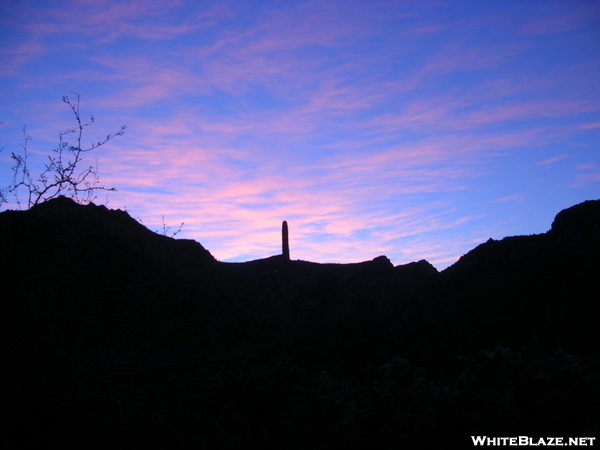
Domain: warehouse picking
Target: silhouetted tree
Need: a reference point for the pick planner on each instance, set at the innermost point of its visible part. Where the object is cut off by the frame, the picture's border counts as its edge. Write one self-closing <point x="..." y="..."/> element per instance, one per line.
<point x="63" y="173"/>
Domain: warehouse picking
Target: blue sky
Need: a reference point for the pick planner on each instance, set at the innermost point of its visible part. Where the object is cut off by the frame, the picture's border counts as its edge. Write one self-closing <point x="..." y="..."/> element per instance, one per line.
<point x="410" y="129"/>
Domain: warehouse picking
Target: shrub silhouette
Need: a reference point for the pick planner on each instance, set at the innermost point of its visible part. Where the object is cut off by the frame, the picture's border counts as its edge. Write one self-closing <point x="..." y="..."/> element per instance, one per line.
<point x="63" y="173"/>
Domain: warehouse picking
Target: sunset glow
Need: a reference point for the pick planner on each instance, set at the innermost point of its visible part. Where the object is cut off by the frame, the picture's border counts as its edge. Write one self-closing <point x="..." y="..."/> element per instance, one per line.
<point x="415" y="130"/>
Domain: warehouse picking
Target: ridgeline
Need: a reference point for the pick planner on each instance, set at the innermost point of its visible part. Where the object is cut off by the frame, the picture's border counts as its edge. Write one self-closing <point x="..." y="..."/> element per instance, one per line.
<point x="113" y="336"/>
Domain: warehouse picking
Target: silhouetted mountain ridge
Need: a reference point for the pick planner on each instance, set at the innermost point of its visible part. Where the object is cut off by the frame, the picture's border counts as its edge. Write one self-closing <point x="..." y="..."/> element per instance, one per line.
<point x="113" y="334"/>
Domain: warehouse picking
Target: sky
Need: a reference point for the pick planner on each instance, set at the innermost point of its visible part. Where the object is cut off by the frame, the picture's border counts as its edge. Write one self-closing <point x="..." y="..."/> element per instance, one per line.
<point x="411" y="129"/>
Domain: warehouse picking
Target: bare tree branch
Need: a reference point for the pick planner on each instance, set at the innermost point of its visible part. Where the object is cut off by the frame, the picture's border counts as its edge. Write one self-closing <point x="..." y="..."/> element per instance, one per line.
<point x="63" y="173"/>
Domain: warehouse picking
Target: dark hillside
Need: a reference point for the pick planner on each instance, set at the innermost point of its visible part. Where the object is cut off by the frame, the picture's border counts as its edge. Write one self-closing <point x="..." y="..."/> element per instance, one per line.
<point x="113" y="336"/>
<point x="506" y="292"/>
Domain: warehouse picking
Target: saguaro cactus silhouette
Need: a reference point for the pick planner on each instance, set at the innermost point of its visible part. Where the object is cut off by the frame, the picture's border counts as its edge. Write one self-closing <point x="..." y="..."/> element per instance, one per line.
<point x="285" y="252"/>
<point x="287" y="323"/>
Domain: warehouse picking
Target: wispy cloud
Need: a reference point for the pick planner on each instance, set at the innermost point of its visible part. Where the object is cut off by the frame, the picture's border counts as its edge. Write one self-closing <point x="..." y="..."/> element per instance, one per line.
<point x="110" y="20"/>
<point x="590" y="126"/>
<point x="553" y="160"/>
<point x="586" y="179"/>
<point x="13" y="58"/>
<point x="549" y="22"/>
<point x="510" y="198"/>
<point x="587" y="166"/>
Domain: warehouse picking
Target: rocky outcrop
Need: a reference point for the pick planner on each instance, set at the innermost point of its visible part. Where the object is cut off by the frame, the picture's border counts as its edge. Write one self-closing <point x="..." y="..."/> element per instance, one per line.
<point x="581" y="221"/>
<point x="505" y="292"/>
<point x="522" y="255"/>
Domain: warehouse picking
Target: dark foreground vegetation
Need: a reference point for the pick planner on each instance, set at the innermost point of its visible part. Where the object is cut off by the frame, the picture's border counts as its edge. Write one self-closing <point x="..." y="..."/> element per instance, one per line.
<point x="112" y="336"/>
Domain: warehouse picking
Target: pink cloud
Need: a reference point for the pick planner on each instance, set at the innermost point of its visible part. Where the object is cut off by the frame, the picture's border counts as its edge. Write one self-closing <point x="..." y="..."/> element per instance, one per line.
<point x="13" y="58"/>
<point x="141" y="81"/>
<point x="589" y="126"/>
<point x="447" y="112"/>
<point x="549" y="161"/>
<point x="530" y="110"/>
<point x="459" y="56"/>
<point x="230" y="202"/>
<point x="510" y="198"/>
<point x="210" y="193"/>
<point x="110" y="20"/>
<point x="270" y="49"/>
<point x="585" y="179"/>
<point x="559" y="23"/>
<point x="587" y="166"/>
